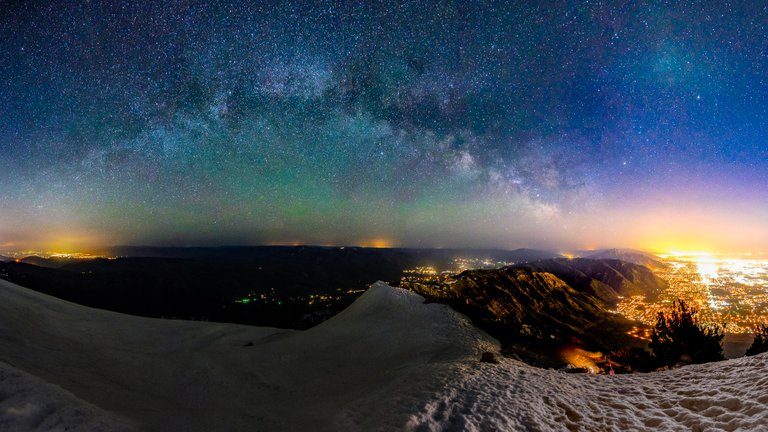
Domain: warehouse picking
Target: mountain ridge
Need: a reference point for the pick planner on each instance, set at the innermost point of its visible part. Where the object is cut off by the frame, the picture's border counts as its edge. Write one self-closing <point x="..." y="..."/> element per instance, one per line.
<point x="607" y="279"/>
<point x="647" y="259"/>
<point x="536" y="309"/>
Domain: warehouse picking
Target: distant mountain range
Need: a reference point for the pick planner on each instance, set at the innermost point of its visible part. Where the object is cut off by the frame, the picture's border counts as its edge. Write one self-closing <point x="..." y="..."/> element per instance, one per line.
<point x="414" y="255"/>
<point x="53" y="262"/>
<point x="629" y="255"/>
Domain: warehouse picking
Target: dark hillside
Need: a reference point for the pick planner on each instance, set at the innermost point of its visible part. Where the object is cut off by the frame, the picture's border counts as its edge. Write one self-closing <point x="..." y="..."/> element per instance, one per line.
<point x="606" y="279"/>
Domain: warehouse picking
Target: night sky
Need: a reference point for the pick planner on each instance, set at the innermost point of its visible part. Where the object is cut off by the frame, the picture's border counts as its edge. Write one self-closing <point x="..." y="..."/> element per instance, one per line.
<point x="384" y="124"/>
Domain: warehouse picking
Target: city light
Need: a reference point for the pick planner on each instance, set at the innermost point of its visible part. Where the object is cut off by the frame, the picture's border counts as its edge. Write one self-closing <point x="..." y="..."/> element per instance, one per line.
<point x="730" y="291"/>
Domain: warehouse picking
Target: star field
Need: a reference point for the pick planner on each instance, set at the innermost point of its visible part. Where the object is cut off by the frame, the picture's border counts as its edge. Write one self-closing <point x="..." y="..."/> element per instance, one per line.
<point x="477" y="124"/>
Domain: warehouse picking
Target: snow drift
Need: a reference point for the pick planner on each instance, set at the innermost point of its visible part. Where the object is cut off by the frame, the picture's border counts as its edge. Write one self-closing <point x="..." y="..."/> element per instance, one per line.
<point x="369" y="367"/>
<point x="388" y="362"/>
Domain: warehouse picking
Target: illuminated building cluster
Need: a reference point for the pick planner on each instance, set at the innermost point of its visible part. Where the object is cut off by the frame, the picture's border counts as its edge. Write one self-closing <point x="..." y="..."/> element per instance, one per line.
<point x="733" y="292"/>
<point x="426" y="274"/>
<point x="639" y="332"/>
<point x="461" y="264"/>
<point x="429" y="275"/>
<point x="254" y="297"/>
<point x="18" y="255"/>
<point x="271" y="297"/>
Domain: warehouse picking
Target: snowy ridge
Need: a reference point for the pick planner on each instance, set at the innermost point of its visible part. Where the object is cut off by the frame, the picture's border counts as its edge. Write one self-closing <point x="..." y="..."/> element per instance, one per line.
<point x="368" y="368"/>
<point x="389" y="362"/>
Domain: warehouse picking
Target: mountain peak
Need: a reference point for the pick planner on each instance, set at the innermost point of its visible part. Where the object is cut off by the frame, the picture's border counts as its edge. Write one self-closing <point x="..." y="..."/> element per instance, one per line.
<point x="630" y="255"/>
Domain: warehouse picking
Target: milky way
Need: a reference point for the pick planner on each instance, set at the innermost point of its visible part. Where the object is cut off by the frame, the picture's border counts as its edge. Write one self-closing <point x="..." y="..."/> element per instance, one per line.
<point x="414" y="124"/>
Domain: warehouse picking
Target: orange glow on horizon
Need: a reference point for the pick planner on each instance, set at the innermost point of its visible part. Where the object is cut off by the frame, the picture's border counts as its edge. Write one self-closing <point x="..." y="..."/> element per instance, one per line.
<point x="378" y="243"/>
<point x="696" y="231"/>
<point x="680" y="247"/>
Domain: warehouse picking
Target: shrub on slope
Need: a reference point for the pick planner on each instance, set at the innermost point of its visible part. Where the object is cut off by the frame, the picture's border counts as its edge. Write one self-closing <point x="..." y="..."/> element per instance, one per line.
<point x="678" y="337"/>
<point x="760" y="344"/>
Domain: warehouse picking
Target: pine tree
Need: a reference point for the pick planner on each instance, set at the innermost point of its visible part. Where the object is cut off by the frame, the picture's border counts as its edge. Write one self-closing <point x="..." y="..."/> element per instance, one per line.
<point x="760" y="344"/>
<point x="678" y="335"/>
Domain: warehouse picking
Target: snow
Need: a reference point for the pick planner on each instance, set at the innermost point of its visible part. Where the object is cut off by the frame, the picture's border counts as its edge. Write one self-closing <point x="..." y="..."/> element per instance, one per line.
<point x="725" y="396"/>
<point x="30" y="404"/>
<point x="367" y="368"/>
<point x="388" y="362"/>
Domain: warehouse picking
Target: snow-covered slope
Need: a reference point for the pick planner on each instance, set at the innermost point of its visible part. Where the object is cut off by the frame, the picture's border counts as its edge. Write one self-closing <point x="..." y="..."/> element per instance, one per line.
<point x="369" y="367"/>
<point x="724" y="396"/>
<point x="388" y="362"/>
<point x="30" y="404"/>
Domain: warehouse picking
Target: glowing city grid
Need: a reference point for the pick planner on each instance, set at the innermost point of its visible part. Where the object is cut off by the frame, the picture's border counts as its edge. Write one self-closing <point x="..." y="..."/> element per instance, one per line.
<point x="733" y="292"/>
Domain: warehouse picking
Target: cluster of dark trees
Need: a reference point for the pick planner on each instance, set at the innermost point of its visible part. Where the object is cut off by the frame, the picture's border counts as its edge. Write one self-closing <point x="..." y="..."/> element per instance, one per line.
<point x="760" y="344"/>
<point x="678" y="338"/>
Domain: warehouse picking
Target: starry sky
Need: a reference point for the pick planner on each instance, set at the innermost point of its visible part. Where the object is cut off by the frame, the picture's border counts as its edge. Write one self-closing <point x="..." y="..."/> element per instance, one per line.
<point x="427" y="124"/>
